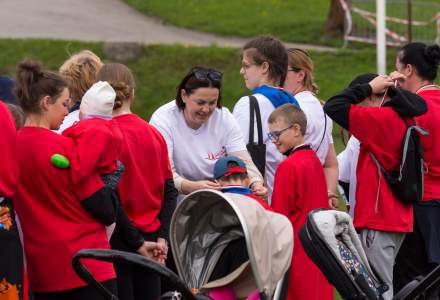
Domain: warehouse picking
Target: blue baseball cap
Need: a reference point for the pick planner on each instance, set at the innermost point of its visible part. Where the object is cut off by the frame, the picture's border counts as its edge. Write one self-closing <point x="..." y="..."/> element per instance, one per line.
<point x="221" y="166"/>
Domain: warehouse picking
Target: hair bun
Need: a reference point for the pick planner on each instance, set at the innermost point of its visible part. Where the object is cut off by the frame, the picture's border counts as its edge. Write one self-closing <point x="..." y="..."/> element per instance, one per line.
<point x="123" y="90"/>
<point x="30" y="66"/>
<point x="432" y="53"/>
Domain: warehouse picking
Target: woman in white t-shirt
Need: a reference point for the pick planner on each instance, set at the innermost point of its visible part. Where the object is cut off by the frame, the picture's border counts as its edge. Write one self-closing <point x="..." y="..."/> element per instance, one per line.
<point x="198" y="131"/>
<point x="264" y="67"/>
<point x="299" y="82"/>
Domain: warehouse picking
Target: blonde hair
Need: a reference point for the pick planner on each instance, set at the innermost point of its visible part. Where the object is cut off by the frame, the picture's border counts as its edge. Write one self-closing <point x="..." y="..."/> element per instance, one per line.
<point x="300" y="60"/>
<point x="291" y="115"/>
<point x="121" y="79"/>
<point x="80" y="72"/>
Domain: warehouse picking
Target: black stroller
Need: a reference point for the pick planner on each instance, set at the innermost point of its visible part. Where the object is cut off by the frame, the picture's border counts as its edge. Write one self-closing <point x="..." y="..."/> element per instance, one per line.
<point x="202" y="227"/>
<point x="330" y="240"/>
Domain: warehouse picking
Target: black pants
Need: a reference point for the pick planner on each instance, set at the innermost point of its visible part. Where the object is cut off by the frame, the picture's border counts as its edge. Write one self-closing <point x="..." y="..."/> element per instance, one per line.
<point x="83" y="293"/>
<point x="420" y="251"/>
<point x="234" y="255"/>
<point x="11" y="253"/>
<point x="135" y="282"/>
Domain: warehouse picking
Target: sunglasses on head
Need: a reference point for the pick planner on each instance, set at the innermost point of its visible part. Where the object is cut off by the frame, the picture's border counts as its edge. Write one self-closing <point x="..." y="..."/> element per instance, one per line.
<point x="207" y="74"/>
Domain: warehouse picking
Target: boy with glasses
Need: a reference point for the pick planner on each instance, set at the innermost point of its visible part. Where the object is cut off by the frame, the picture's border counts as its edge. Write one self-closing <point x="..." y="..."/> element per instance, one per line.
<point x="299" y="188"/>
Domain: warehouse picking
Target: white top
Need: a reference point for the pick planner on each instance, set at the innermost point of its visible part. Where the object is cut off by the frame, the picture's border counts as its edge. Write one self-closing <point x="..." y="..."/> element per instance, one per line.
<point x="194" y="152"/>
<point x="69" y="120"/>
<point x="241" y="114"/>
<point x="347" y="161"/>
<point x="316" y="124"/>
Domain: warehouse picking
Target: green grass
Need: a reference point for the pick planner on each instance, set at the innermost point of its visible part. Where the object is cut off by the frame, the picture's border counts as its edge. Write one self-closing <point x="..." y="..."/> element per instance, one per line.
<point x="293" y="21"/>
<point x="160" y="69"/>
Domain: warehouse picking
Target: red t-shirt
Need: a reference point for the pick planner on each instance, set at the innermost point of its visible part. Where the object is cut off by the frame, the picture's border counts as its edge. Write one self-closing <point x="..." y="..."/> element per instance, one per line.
<point x="299" y="188"/>
<point x="431" y="143"/>
<point x="380" y="131"/>
<point x="8" y="153"/>
<point x="97" y="146"/>
<point x="54" y="224"/>
<point x="145" y="157"/>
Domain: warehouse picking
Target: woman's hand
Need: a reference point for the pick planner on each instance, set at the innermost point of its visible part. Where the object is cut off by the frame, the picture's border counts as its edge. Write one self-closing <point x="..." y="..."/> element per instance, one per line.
<point x="154" y="251"/>
<point x="259" y="190"/>
<point x="380" y="84"/>
<point x="398" y="78"/>
<point x="189" y="186"/>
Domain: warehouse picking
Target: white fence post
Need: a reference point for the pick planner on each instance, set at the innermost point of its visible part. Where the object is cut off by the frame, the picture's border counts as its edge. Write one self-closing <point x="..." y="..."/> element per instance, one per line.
<point x="381" y="46"/>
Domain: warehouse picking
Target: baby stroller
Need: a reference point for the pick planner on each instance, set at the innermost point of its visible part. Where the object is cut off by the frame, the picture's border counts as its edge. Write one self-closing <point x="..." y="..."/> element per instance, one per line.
<point x="203" y="227"/>
<point x="330" y="240"/>
<point x="207" y="222"/>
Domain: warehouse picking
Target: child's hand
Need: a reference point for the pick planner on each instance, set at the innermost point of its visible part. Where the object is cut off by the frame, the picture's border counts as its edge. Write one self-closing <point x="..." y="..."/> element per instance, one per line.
<point x="259" y="190"/>
<point x="333" y="201"/>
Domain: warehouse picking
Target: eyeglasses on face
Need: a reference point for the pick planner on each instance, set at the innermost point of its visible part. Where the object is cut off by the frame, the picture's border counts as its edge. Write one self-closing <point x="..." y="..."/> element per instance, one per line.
<point x="274" y="136"/>
<point x="207" y="74"/>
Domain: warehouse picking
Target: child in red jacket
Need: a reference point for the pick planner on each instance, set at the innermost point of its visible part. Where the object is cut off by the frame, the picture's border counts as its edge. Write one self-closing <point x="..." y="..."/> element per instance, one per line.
<point x="97" y="138"/>
<point x="380" y="218"/>
<point x="299" y="188"/>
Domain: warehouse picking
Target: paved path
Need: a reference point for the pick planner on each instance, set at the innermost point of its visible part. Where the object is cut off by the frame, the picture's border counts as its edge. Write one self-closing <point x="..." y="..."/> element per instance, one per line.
<point x="101" y="20"/>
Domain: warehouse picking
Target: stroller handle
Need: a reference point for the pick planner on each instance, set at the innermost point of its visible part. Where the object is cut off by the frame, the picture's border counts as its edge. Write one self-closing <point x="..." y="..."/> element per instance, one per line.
<point x="121" y="256"/>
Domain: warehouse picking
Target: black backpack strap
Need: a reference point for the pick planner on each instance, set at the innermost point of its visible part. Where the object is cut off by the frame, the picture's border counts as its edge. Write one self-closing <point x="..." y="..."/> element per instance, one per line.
<point x="255" y="108"/>
<point x="323" y="134"/>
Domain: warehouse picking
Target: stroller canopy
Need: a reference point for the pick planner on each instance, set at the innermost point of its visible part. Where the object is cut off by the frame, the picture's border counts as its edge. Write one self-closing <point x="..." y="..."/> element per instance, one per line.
<point x="206" y="221"/>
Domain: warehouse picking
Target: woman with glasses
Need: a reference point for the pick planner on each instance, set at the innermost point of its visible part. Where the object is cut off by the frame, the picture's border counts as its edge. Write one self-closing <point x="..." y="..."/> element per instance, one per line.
<point x="198" y="131"/>
<point x="264" y="67"/>
<point x="300" y="82"/>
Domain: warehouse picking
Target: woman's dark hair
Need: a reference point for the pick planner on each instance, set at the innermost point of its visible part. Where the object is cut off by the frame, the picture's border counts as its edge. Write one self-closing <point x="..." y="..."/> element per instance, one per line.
<point x="424" y="58"/>
<point x="199" y="77"/>
<point x="121" y="79"/>
<point x="269" y="49"/>
<point x="33" y="83"/>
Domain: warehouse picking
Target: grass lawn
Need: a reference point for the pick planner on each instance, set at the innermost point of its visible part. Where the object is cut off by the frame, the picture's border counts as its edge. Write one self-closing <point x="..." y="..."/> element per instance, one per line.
<point x="293" y="21"/>
<point x="160" y="69"/>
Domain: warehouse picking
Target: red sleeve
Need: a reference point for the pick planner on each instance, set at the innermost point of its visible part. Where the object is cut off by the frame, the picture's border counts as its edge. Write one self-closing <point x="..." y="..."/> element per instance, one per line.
<point x="368" y="124"/>
<point x="283" y="197"/>
<point x="93" y="142"/>
<point x="8" y="153"/>
<point x="88" y="186"/>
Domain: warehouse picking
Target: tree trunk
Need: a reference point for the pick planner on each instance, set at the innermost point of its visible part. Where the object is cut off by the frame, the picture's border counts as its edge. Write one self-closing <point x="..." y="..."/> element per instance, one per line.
<point x="334" y="26"/>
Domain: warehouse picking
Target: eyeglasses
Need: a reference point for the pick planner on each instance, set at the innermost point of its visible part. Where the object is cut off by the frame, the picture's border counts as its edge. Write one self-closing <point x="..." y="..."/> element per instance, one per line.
<point x="207" y="74"/>
<point x="274" y="136"/>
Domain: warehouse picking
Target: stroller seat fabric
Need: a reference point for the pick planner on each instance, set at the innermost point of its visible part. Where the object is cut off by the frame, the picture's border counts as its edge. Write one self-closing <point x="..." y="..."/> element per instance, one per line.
<point x="330" y="240"/>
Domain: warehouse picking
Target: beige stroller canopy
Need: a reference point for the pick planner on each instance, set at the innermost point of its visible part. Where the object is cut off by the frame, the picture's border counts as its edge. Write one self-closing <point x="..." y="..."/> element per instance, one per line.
<point x="206" y="221"/>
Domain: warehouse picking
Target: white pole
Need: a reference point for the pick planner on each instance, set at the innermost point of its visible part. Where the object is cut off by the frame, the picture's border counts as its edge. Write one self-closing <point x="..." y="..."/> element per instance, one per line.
<point x="381" y="46"/>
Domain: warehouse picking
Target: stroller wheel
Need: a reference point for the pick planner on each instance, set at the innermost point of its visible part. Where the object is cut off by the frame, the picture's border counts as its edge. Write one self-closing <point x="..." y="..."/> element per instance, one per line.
<point x="171" y="296"/>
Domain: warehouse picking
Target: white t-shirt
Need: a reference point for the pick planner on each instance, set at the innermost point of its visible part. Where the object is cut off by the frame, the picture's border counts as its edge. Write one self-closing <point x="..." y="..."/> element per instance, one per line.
<point x="347" y="161"/>
<point x="316" y="124"/>
<point x="69" y="120"/>
<point x="241" y="114"/>
<point x="194" y="152"/>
